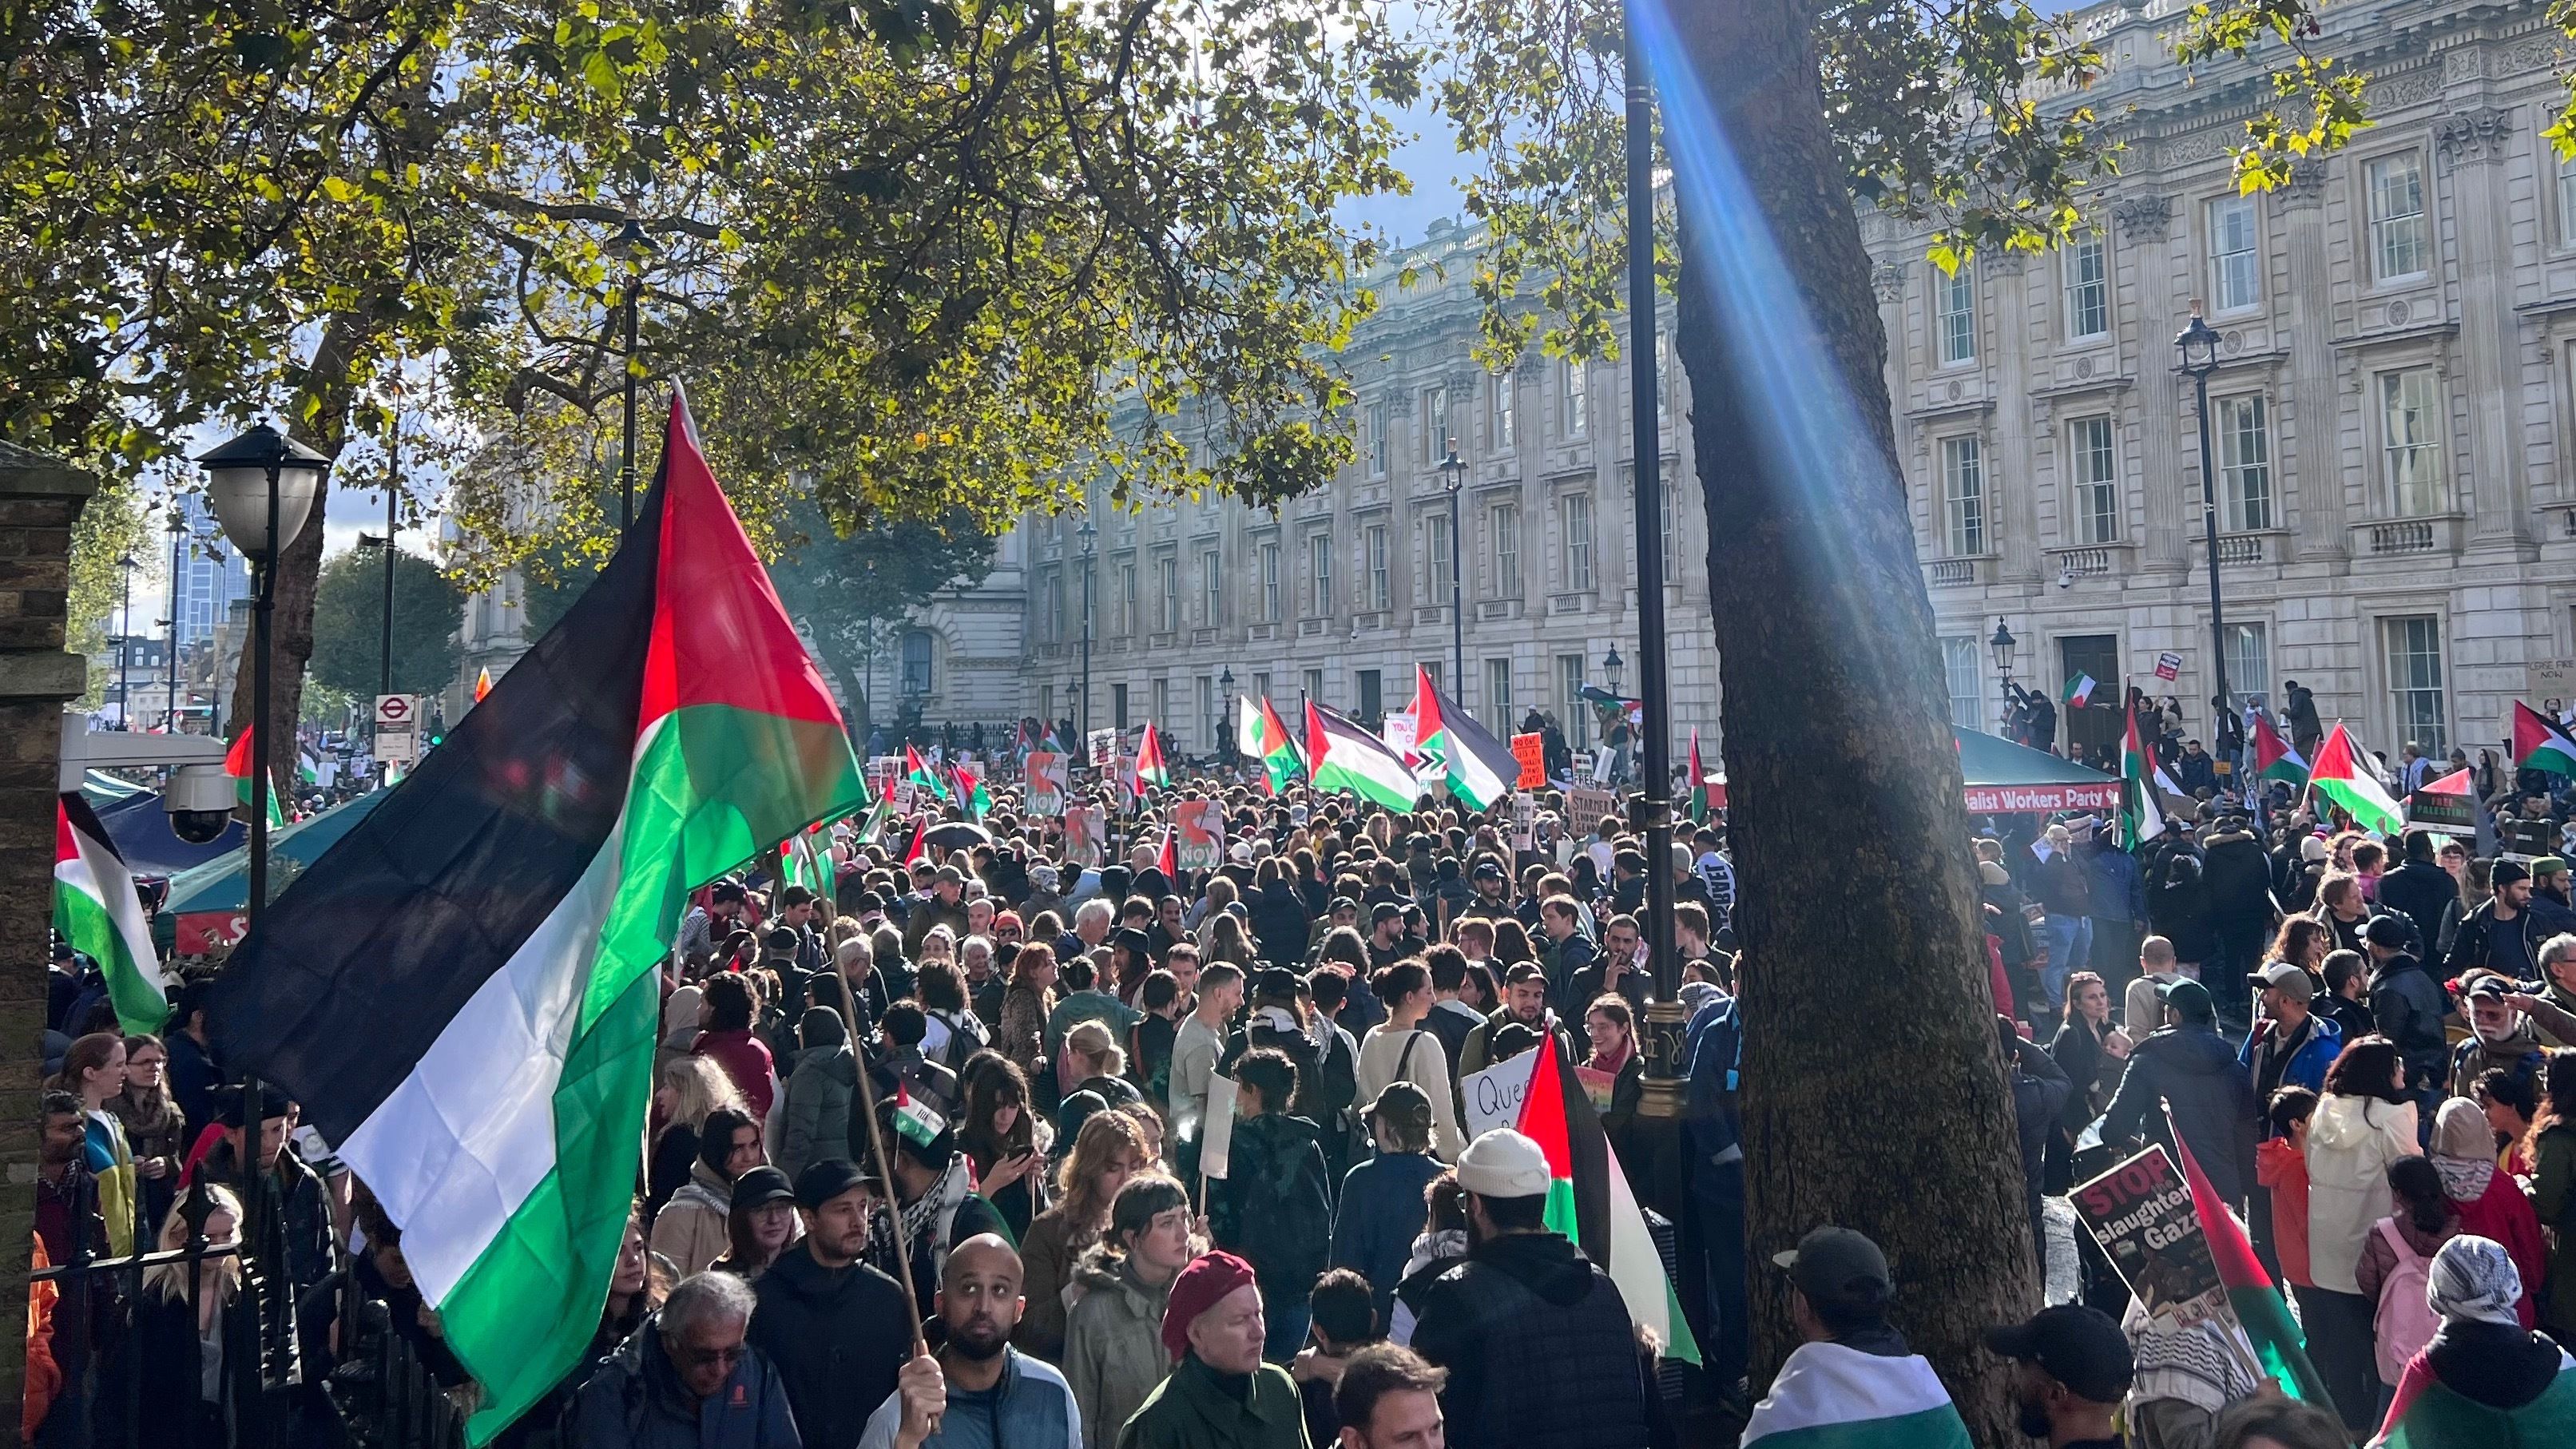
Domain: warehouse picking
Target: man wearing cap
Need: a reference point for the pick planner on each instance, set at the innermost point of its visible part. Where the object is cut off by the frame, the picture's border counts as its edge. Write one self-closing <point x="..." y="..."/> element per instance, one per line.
<point x="837" y="1329"/>
<point x="945" y="905"/>
<point x="1220" y="1395"/>
<point x="1492" y="886"/>
<point x="2504" y="934"/>
<point x="977" y="1391"/>
<point x="2550" y="882"/>
<point x="1852" y="1380"/>
<point x="2500" y="1036"/>
<point x="2188" y="1067"/>
<point x="1539" y="1346"/>
<point x="1524" y="1001"/>
<point x="2408" y="1006"/>
<point x="2071" y="1368"/>
<point x="1381" y="1207"/>
<point x="2291" y="1045"/>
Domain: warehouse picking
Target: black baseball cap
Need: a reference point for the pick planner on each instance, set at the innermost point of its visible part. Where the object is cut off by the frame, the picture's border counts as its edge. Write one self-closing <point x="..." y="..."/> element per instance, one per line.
<point x="1385" y="911"/>
<point x="2079" y="1347"/>
<point x="1341" y="904"/>
<point x="761" y="1185"/>
<point x="1488" y="870"/>
<point x="1839" y="1266"/>
<point x="828" y="1179"/>
<point x="2386" y="931"/>
<point x="2188" y="997"/>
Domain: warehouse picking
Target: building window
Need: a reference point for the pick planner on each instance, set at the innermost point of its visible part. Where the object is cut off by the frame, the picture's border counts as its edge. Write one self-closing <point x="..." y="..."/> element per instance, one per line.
<point x="1055" y="605"/>
<point x="1372" y="701"/>
<point x="1261" y="690"/>
<point x="916" y="663"/>
<point x="1507" y="550"/>
<point x="1167" y="570"/>
<point x="1162" y="715"/>
<point x="1443" y="557"/>
<point x="1377" y="439"/>
<point x="2086" y="264"/>
<point x="2566" y="189"/>
<point x="1578" y="409"/>
<point x="1663" y="378"/>
<point x="1963" y="496"/>
<point x="1498" y="696"/>
<point x="1506" y="409"/>
<point x="1578" y="541"/>
<point x="2410" y="414"/>
<point x="1431" y="669"/>
<point x="1270" y="581"/>
<point x="1211" y="581"/>
<point x="1319" y="560"/>
<point x="1963" y="668"/>
<point x="1569" y="701"/>
<point x="1373" y="549"/>
<point x="1208" y="720"/>
<point x="1129" y="619"/>
<point x="1672" y="510"/>
<point x="1118" y="705"/>
<point x="2415" y="682"/>
<point x="1435" y="423"/>
<point x="2097" y="480"/>
<point x="2245" y="462"/>
<point x="2397" y="241"/>
<point x="1954" y="314"/>
<point x="2249" y="664"/>
<point x="1312" y="689"/>
<point x="2235" y="258"/>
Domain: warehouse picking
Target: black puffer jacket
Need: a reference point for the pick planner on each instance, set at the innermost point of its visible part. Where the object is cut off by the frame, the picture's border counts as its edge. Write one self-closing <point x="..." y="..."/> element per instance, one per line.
<point x="1273" y="1207"/>
<point x="2238" y="879"/>
<point x="2194" y="1069"/>
<point x="1539" y="1348"/>
<point x="837" y="1338"/>
<point x="1280" y="923"/>
<point x="2422" y="892"/>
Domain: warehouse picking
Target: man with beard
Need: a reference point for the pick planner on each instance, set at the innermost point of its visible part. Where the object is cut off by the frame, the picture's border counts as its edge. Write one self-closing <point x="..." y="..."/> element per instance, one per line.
<point x="2071" y="1368"/>
<point x="977" y="1392"/>
<point x="1493" y="888"/>
<point x="1524" y="1001"/>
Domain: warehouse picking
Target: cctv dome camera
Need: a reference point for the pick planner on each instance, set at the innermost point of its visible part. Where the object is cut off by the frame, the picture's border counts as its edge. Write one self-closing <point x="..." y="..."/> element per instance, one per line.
<point x="199" y="801"/>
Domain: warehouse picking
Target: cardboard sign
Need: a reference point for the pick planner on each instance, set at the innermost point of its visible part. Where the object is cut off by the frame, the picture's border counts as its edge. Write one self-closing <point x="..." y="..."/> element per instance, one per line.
<point x="1398" y="734"/>
<point x="1585" y="805"/>
<point x="1531" y="752"/>
<point x="1216" y="1130"/>
<point x="1492" y="1098"/>
<point x="1049" y="774"/>
<point x="1086" y="834"/>
<point x="2168" y="666"/>
<point x="1202" y="840"/>
<point x="2142" y="1215"/>
<point x="2547" y="679"/>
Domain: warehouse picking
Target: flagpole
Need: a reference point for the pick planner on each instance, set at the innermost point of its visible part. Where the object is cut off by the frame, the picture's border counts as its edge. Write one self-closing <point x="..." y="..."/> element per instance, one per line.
<point x="894" y="1204"/>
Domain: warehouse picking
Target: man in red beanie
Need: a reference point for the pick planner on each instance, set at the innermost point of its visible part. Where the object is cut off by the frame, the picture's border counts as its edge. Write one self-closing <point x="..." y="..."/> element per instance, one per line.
<point x="1220" y="1395"/>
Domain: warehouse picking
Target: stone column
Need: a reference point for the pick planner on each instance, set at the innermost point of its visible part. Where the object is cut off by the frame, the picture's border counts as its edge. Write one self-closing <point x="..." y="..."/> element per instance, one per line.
<point x="2172" y="510"/>
<point x="39" y="501"/>
<point x="2313" y="489"/>
<point x="2472" y="147"/>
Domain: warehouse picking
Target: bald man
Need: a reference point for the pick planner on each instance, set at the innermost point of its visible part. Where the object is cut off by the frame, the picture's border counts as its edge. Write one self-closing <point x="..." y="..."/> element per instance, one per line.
<point x="977" y="1392"/>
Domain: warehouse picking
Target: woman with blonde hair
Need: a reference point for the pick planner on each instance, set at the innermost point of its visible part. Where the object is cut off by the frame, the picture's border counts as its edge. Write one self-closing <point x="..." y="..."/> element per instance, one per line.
<point x="1093" y="1062"/>
<point x="94" y="1071"/>
<point x="690" y="1088"/>
<point x="183" y="1339"/>
<point x="1110" y="1149"/>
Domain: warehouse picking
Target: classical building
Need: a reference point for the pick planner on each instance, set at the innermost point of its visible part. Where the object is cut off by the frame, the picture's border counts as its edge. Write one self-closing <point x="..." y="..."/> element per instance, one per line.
<point x="2391" y="408"/>
<point x="1337" y="596"/>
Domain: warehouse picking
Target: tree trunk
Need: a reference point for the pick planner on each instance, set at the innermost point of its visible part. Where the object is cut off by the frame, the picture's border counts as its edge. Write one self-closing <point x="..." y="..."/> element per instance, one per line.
<point x="1873" y="1090"/>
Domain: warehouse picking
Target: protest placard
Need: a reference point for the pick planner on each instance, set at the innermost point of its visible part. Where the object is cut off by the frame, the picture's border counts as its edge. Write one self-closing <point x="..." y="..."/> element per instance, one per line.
<point x="1531" y="753"/>
<point x="1202" y="839"/>
<point x="1102" y="746"/>
<point x="2141" y="1213"/>
<point x="1586" y="804"/>
<point x="1216" y="1130"/>
<point x="1048" y="776"/>
<point x="1398" y="734"/>
<point x="1492" y="1098"/>
<point x="1086" y="834"/>
<point x="1524" y="820"/>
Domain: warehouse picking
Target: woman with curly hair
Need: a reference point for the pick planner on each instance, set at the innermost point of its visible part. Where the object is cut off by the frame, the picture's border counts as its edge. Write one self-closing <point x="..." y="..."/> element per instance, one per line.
<point x="1110" y="1148"/>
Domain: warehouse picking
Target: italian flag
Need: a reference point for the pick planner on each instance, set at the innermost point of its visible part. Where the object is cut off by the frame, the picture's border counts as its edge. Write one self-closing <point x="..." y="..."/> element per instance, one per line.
<point x="1589" y="1202"/>
<point x="240" y="762"/>
<point x="463" y="991"/>
<point x="2428" y="1415"/>
<point x="1261" y="735"/>
<point x="1149" y="761"/>
<point x="2540" y="745"/>
<point x="2079" y="690"/>
<point x="1342" y="754"/>
<point x="97" y="913"/>
<point x="922" y="775"/>
<point x="1479" y="768"/>
<point x="2250" y="1291"/>
<point x="2141" y="818"/>
<point x="2342" y="778"/>
<point x="2274" y="759"/>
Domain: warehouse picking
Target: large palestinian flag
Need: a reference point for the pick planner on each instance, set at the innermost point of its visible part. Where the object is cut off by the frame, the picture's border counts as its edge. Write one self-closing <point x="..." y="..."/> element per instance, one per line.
<point x="1261" y="735"/>
<point x="97" y="913"/>
<point x="1831" y="1397"/>
<point x="2340" y="776"/>
<point x="1588" y="1200"/>
<point x="1342" y="754"/>
<point x="2540" y="745"/>
<point x="2274" y="757"/>
<point x="1480" y="769"/>
<point x="2428" y="1414"/>
<point x="462" y="992"/>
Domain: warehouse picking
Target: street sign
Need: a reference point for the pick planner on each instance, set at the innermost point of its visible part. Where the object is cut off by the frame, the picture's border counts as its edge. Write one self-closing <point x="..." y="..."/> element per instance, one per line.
<point x="398" y="749"/>
<point x="397" y="713"/>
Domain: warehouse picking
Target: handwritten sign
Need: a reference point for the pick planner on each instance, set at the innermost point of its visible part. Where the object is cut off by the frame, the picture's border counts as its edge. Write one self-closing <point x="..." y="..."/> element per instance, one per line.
<point x="1531" y="752"/>
<point x="1492" y="1098"/>
<point x="1524" y="820"/>
<point x="1202" y="842"/>
<point x="1586" y="804"/>
<point x="1048" y="775"/>
<point x="1086" y="834"/>
<point x="1398" y="732"/>
<point x="1216" y="1130"/>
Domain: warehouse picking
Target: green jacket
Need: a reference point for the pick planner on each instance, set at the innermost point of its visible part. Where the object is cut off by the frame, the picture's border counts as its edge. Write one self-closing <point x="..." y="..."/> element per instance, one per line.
<point x="1191" y="1410"/>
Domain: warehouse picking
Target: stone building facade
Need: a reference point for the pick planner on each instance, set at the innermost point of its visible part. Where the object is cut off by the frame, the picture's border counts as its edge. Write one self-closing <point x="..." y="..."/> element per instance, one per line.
<point x="2393" y="408"/>
<point x="1339" y="595"/>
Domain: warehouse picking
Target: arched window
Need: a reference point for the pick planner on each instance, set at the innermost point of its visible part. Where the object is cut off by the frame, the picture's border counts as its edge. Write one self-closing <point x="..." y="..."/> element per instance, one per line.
<point x="916" y="662"/>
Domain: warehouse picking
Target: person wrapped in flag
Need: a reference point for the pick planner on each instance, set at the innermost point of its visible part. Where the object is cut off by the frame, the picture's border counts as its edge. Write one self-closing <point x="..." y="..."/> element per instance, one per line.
<point x="2485" y="1381"/>
<point x="1852" y="1382"/>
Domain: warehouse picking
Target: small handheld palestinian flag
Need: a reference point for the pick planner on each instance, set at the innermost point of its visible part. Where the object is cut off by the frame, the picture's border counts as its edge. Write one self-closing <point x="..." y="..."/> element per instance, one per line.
<point x="1589" y="1201"/>
<point x="97" y="913"/>
<point x="1264" y="737"/>
<point x="922" y="775"/>
<point x="2540" y="745"/>
<point x="919" y="850"/>
<point x="971" y="792"/>
<point x="239" y="762"/>
<point x="916" y="1121"/>
<point x="2340" y="776"/>
<point x="1149" y="761"/>
<point x="2274" y="759"/>
<point x="2250" y="1290"/>
<point x="2141" y="818"/>
<point x="2079" y="690"/>
<point x="1169" y="861"/>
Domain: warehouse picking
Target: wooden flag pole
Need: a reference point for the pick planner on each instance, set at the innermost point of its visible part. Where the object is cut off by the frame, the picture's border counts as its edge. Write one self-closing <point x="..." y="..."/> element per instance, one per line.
<point x="894" y="1206"/>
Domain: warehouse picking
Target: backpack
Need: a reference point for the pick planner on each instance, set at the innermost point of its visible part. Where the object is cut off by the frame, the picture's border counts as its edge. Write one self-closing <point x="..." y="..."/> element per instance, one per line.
<point x="2405" y="1322"/>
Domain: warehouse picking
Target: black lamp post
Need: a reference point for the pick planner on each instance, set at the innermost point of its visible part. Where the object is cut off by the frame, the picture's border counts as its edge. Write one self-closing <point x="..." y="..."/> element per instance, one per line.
<point x="631" y="245"/>
<point x="1453" y="476"/>
<point x="2002" y="645"/>
<point x="1611" y="664"/>
<point x="1224" y="734"/>
<point x="170" y="639"/>
<point x="1090" y="537"/>
<point x="2198" y="345"/>
<point x="125" y="646"/>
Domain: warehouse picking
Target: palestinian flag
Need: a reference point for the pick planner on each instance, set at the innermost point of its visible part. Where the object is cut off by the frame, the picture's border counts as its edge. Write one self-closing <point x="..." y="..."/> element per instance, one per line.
<point x="2341" y="777"/>
<point x="916" y="1121"/>
<point x="1831" y="1397"/>
<point x="1479" y="768"/>
<point x="924" y="776"/>
<point x="97" y="913"/>
<point x="1342" y="754"/>
<point x="463" y="992"/>
<point x="2141" y="818"/>
<point x="2250" y="1291"/>
<point x="1149" y="761"/>
<point x="2079" y="690"/>
<point x="1589" y="1202"/>
<point x="2274" y="759"/>
<point x="919" y="849"/>
<point x="1169" y="860"/>
<point x="1261" y="735"/>
<point x="2540" y="745"/>
<point x="806" y="860"/>
<point x="2426" y="1414"/>
<point x="971" y="793"/>
<point x="1698" y="783"/>
<point x="240" y="762"/>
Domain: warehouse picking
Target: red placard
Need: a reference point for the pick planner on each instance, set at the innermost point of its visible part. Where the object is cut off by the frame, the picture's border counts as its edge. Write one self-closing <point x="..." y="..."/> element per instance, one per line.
<point x="1531" y="752"/>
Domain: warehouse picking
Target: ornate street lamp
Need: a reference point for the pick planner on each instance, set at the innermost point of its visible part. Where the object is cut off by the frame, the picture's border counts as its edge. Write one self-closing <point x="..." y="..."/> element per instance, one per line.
<point x="1453" y="477"/>
<point x="1225" y="718"/>
<point x="1090" y="537"/>
<point x="2198" y="346"/>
